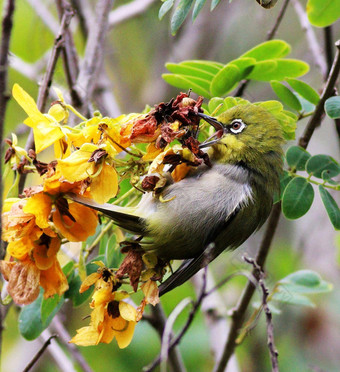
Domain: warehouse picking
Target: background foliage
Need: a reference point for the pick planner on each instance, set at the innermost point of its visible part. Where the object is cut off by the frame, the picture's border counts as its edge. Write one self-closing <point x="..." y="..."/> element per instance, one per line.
<point x="140" y="57"/>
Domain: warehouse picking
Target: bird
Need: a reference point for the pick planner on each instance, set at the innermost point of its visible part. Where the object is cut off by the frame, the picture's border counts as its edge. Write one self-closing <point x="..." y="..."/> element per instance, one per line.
<point x="215" y="207"/>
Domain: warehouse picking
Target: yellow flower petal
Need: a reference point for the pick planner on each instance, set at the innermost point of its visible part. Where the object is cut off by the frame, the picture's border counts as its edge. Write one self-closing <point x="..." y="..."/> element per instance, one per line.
<point x="85" y="225"/>
<point x="123" y="331"/>
<point x="89" y="280"/>
<point x="53" y="280"/>
<point x="19" y="249"/>
<point x="40" y="206"/>
<point x="127" y="311"/>
<point x="76" y="167"/>
<point x="105" y="185"/>
<point x="86" y="336"/>
<point x="44" y="256"/>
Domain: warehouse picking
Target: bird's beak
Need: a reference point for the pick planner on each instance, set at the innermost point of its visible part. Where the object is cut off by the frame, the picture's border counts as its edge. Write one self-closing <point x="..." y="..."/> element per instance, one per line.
<point x="212" y="121"/>
<point x="220" y="129"/>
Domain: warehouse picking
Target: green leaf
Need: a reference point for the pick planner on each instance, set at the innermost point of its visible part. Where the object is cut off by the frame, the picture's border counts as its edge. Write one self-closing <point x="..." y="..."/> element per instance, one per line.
<point x="225" y="80"/>
<point x="189" y="71"/>
<point x="297" y="157"/>
<point x="197" y="8"/>
<point x="261" y="70"/>
<point x="284" y="68"/>
<point x="307" y="107"/>
<point x="166" y="6"/>
<point x="317" y="164"/>
<point x="214" y="103"/>
<point x="180" y="14"/>
<point x="287" y="297"/>
<point x="245" y="65"/>
<point x="286" y="95"/>
<point x="332" y="107"/>
<point x="47" y="307"/>
<point x="304" y="90"/>
<point x="268" y="50"/>
<point x="112" y="253"/>
<point x="306" y="282"/>
<point x="199" y="86"/>
<point x="207" y="66"/>
<point x="297" y="198"/>
<point x="214" y="4"/>
<point x="30" y="321"/>
<point x="322" y="13"/>
<point x="284" y="181"/>
<point x="288" y="124"/>
<point x="331" y="206"/>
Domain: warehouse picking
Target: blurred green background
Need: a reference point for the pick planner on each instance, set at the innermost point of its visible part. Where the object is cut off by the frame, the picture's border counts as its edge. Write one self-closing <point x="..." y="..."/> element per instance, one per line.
<point x="308" y="339"/>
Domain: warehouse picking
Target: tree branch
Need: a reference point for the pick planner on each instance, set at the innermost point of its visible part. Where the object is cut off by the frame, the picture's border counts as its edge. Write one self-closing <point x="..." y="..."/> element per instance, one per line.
<point x="39" y="353"/>
<point x="270" y="328"/>
<point x="240" y="90"/>
<point x="313" y="43"/>
<point x="239" y="312"/>
<point x="127" y="11"/>
<point x="328" y="91"/>
<point x="93" y="53"/>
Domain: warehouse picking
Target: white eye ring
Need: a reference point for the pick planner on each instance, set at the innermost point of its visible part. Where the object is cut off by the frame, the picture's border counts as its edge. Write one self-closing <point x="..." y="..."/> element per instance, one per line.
<point x="237" y="126"/>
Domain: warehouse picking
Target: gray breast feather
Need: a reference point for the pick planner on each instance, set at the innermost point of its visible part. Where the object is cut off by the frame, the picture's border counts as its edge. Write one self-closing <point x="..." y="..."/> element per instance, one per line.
<point x="197" y="207"/>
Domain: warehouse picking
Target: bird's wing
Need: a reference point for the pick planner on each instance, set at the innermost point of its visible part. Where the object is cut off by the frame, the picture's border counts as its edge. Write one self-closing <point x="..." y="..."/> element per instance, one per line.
<point x="191" y="266"/>
<point x="127" y="221"/>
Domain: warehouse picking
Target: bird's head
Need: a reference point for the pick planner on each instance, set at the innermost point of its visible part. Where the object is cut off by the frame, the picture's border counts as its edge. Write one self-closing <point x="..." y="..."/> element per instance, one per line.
<point x="248" y="134"/>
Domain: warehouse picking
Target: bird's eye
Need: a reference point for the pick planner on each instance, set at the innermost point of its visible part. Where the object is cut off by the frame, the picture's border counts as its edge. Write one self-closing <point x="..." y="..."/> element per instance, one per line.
<point x="237" y="126"/>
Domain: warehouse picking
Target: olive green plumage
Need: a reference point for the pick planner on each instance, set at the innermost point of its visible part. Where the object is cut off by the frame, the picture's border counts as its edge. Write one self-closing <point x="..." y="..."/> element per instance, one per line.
<point x="217" y="207"/>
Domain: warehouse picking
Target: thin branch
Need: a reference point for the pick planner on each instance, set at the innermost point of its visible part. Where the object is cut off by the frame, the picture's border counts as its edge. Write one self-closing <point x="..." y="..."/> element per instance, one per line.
<point x="45" y="15"/>
<point x="7" y="24"/>
<point x="239" y="312"/>
<point x="282" y="12"/>
<point x="93" y="53"/>
<point x="270" y="328"/>
<point x="39" y="353"/>
<point x="158" y="321"/>
<point x="240" y="90"/>
<point x="70" y="56"/>
<point x="312" y="43"/>
<point x="165" y="339"/>
<point x="65" y="338"/>
<point x="328" y="91"/>
<point x="127" y="11"/>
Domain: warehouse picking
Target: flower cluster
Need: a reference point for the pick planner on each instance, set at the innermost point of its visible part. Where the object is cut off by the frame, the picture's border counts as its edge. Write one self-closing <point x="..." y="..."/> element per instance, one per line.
<point x="91" y="159"/>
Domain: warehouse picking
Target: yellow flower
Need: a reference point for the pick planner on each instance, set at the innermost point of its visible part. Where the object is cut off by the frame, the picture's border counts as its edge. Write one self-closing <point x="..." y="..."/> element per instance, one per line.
<point x="111" y="317"/>
<point x="90" y="163"/>
<point x="46" y="130"/>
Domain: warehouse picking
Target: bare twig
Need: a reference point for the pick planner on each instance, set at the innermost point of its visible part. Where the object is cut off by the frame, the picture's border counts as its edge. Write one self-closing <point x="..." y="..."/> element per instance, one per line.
<point x="45" y="15"/>
<point x="93" y="53"/>
<point x="239" y="312"/>
<point x="7" y="23"/>
<point x="39" y="353"/>
<point x="313" y="43"/>
<point x="70" y="56"/>
<point x="165" y="339"/>
<point x="127" y="11"/>
<point x="65" y="338"/>
<point x="240" y="90"/>
<point x="270" y="328"/>
<point x="158" y="321"/>
<point x="327" y="92"/>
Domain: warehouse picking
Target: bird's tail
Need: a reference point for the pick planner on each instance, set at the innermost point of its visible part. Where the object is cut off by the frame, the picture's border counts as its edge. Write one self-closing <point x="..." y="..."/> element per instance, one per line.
<point x="122" y="216"/>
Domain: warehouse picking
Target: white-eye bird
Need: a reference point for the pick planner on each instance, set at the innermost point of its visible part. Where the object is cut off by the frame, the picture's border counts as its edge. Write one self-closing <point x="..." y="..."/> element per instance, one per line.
<point x="213" y="208"/>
